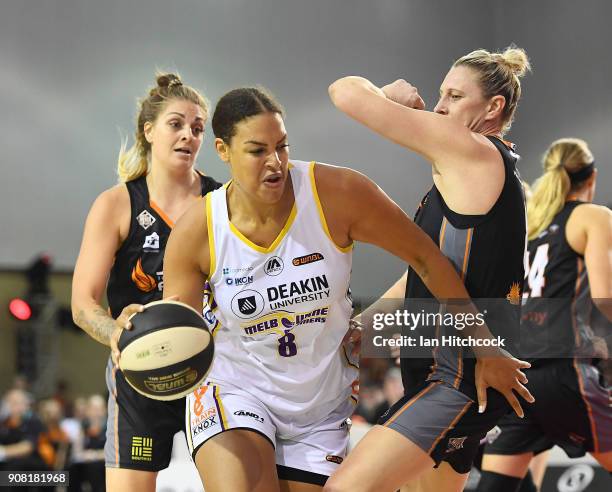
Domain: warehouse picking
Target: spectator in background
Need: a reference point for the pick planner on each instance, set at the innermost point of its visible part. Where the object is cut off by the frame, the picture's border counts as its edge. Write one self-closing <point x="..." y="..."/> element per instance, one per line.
<point x="370" y="399"/>
<point x="20" y="430"/>
<point x="393" y="390"/>
<point x="72" y="424"/>
<point x="53" y="442"/>
<point x="88" y="455"/>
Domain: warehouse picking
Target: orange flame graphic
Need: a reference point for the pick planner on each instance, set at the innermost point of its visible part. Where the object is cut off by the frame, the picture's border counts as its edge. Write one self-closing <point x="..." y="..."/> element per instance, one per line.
<point x="143" y="281"/>
<point x="514" y="296"/>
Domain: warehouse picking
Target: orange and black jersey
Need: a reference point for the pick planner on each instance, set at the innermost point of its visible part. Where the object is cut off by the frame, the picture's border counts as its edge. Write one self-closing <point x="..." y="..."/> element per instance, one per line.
<point x="137" y="274"/>
<point x="557" y="306"/>
<point x="487" y="252"/>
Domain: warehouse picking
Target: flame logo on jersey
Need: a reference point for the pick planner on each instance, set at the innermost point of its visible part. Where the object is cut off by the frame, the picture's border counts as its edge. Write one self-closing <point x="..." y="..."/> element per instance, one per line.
<point x="143" y="281"/>
<point x="514" y="296"/>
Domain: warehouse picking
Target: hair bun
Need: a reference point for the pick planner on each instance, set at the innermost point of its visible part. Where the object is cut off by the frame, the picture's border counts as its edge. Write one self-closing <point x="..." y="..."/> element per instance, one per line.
<point x="515" y="59"/>
<point x="168" y="80"/>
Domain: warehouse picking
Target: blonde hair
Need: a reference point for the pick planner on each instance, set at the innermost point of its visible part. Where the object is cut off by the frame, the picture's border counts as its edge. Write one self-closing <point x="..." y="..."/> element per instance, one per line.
<point x="134" y="162"/>
<point x="550" y="190"/>
<point x="499" y="74"/>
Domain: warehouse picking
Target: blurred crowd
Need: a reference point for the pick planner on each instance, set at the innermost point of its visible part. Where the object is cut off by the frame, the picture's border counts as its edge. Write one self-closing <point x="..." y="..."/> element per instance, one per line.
<point x="380" y="386"/>
<point x="55" y="433"/>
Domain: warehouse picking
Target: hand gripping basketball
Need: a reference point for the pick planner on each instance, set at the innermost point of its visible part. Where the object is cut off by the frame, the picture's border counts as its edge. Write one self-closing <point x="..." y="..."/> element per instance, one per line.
<point x="168" y="352"/>
<point x="122" y="322"/>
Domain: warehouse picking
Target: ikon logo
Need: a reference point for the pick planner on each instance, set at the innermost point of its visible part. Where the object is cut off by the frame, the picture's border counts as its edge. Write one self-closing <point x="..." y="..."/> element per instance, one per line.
<point x="274" y="266"/>
<point x="238" y="281"/>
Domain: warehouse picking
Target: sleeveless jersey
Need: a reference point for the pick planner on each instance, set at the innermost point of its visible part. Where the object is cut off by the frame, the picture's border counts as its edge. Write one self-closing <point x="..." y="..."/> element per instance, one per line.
<point x="487" y="252"/>
<point x="282" y="311"/>
<point x="556" y="318"/>
<point x="137" y="274"/>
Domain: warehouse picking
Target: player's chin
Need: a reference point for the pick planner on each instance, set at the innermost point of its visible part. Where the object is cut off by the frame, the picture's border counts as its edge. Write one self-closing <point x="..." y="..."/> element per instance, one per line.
<point x="183" y="164"/>
<point x="271" y="192"/>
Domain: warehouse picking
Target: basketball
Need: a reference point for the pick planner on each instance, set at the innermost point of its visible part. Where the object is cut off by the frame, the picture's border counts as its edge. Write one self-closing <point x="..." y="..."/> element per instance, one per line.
<point x="168" y="352"/>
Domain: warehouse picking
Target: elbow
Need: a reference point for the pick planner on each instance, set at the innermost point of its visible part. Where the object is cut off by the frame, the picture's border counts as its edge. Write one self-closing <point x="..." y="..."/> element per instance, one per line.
<point x="78" y="313"/>
<point x="342" y="92"/>
<point x="75" y="313"/>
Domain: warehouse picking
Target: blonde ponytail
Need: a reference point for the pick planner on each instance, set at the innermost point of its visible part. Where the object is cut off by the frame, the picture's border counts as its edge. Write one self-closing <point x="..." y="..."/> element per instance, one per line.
<point x="132" y="163"/>
<point x="551" y="189"/>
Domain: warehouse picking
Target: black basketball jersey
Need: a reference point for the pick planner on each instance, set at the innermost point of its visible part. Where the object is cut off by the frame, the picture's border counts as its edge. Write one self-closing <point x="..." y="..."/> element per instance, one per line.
<point x="556" y="318"/>
<point x="487" y="252"/>
<point x="137" y="274"/>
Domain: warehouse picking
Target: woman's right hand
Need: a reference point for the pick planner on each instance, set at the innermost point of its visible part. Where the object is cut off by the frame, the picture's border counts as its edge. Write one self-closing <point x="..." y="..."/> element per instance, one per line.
<point x="122" y="323"/>
<point x="404" y="93"/>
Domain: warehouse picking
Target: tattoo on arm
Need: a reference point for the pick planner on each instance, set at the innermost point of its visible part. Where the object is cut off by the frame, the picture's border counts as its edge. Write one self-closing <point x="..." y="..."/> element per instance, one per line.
<point x="97" y="323"/>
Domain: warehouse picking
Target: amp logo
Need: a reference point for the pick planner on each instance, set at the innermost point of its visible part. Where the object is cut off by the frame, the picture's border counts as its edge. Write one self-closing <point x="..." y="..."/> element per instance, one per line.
<point x="274" y="266"/>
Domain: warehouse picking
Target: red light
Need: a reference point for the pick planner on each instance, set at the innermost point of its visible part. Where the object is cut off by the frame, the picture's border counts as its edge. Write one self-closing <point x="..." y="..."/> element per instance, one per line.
<point x="20" y="309"/>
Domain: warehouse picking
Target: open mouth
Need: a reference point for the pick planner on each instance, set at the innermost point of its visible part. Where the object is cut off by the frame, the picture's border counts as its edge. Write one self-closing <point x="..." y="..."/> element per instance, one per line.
<point x="273" y="179"/>
<point x="183" y="151"/>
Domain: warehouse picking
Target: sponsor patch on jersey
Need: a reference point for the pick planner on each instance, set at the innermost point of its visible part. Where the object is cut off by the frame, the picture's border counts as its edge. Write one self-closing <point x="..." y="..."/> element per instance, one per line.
<point x="151" y="242"/>
<point x="238" y="270"/>
<point x="247" y="304"/>
<point x="334" y="459"/>
<point x="306" y="259"/>
<point x="143" y="281"/>
<point x="204" y="424"/>
<point x="346" y="424"/>
<point x="239" y="281"/>
<point x="288" y="294"/>
<point x="209" y="317"/>
<point x="273" y="266"/>
<point x="455" y="443"/>
<point x="145" y="219"/>
<point x="142" y="448"/>
<point x="199" y="412"/>
<point x="279" y="322"/>
<point x="244" y="413"/>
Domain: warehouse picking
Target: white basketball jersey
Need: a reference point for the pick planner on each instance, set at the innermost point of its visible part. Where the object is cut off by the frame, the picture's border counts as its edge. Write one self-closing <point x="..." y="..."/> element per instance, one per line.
<point x="282" y="311"/>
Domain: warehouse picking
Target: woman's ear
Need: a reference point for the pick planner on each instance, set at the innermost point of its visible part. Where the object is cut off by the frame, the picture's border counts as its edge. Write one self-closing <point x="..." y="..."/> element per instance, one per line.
<point x="495" y="107"/>
<point x="222" y="149"/>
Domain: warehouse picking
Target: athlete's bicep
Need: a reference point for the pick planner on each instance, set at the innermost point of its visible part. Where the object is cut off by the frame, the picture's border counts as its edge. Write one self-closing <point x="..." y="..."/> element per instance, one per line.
<point x="187" y="258"/>
<point x="598" y="253"/>
<point x="101" y="240"/>
<point x="373" y="217"/>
